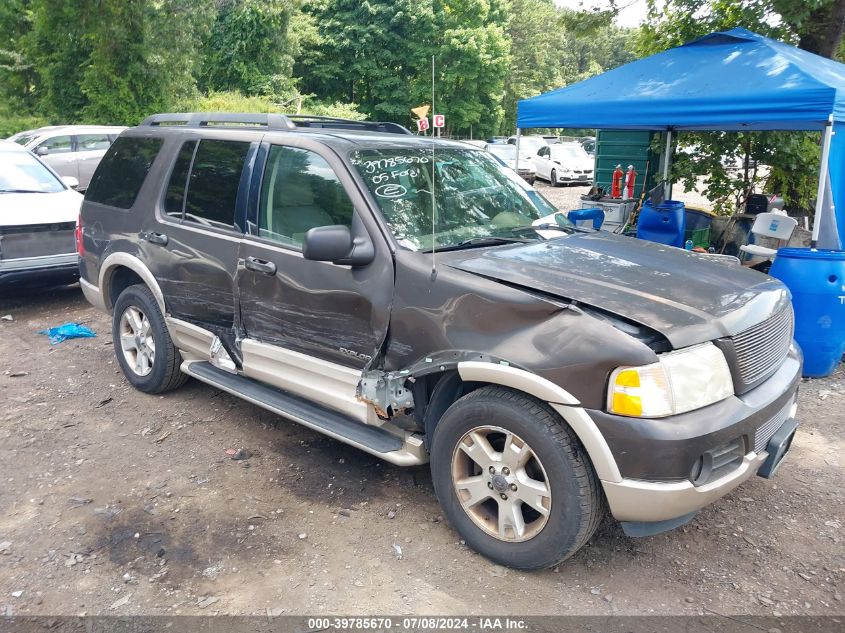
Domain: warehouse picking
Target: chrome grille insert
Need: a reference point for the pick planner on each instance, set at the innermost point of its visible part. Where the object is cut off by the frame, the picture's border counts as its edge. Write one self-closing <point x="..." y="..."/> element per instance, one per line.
<point x="758" y="351"/>
<point x="764" y="433"/>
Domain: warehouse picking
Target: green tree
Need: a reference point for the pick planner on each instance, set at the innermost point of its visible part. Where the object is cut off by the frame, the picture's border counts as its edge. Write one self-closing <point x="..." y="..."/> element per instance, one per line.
<point x="250" y="48"/>
<point x="473" y="57"/>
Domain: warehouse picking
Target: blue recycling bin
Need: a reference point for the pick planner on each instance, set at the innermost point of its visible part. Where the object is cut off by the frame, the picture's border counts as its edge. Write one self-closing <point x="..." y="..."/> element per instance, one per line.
<point x="665" y="223"/>
<point x="582" y="217"/>
<point x="816" y="279"/>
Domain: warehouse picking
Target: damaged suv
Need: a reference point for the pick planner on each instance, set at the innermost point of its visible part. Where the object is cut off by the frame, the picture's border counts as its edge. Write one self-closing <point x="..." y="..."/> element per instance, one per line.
<point x="415" y="299"/>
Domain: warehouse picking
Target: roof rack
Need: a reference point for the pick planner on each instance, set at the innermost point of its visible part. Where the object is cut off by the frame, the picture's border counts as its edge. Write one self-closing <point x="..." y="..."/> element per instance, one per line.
<point x="265" y="121"/>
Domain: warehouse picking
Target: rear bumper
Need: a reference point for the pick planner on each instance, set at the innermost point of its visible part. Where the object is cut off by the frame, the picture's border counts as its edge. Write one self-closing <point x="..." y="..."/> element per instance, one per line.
<point x="33" y="269"/>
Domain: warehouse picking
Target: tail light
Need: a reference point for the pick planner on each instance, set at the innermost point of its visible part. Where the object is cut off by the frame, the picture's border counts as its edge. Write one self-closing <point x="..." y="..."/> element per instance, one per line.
<point x="77" y="234"/>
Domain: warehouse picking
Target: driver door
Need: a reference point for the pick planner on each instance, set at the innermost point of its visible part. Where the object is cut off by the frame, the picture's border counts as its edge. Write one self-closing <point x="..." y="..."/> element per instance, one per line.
<point x="311" y="327"/>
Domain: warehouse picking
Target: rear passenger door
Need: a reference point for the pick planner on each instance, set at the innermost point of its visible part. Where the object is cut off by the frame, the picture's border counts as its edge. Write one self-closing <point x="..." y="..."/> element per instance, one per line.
<point x="199" y="230"/>
<point x="311" y="326"/>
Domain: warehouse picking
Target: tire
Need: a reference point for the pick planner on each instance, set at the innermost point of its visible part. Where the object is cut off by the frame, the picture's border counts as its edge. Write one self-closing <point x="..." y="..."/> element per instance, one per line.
<point x="553" y="178"/>
<point x="137" y="305"/>
<point x="574" y="504"/>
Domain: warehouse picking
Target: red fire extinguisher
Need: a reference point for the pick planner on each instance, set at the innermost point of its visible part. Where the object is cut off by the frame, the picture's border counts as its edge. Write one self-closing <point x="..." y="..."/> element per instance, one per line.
<point x="630" y="180"/>
<point x="616" y="188"/>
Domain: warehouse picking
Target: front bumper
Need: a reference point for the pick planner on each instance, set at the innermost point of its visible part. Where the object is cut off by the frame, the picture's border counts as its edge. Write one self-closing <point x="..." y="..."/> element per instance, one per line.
<point x="28" y="270"/>
<point x="657" y="458"/>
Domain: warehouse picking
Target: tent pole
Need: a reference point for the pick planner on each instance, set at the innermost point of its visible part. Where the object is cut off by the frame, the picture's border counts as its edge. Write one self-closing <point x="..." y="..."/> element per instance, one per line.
<point x="823" y="175"/>
<point x="667" y="158"/>
<point x="518" y="136"/>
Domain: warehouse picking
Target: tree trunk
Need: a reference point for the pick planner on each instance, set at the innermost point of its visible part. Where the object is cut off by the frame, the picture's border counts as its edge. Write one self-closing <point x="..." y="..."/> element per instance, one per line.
<point x="825" y="25"/>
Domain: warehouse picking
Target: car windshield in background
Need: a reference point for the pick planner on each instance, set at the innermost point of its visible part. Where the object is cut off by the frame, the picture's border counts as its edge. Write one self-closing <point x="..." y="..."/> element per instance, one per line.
<point x="475" y="197"/>
<point x="21" y="172"/>
<point x="22" y="139"/>
<point x="505" y="152"/>
<point x="569" y="151"/>
<point x="531" y="144"/>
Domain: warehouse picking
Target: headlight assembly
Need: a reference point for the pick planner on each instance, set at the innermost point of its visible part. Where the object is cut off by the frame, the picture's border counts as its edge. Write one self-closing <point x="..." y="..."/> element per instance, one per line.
<point x="680" y="381"/>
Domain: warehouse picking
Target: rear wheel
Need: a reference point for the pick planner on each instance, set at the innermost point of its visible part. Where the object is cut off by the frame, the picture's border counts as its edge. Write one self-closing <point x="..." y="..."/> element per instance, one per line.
<point x="142" y="344"/>
<point x="514" y="480"/>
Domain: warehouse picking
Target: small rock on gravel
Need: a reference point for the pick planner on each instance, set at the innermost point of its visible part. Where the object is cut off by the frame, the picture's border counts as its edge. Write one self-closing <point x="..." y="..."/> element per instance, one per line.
<point x="17" y="594"/>
<point x="391" y="515"/>
<point x="202" y="603"/>
<point x="6" y="547"/>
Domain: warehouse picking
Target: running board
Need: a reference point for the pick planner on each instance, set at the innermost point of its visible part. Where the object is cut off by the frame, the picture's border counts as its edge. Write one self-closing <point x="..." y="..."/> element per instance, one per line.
<point x="371" y="439"/>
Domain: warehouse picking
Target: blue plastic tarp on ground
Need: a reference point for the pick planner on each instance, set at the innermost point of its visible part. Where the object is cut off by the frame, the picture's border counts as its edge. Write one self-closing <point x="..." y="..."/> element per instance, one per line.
<point x="733" y="80"/>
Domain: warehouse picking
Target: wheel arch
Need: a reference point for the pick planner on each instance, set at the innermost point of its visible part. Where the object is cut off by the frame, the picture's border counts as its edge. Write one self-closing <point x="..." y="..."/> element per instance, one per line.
<point x="471" y="375"/>
<point x="116" y="273"/>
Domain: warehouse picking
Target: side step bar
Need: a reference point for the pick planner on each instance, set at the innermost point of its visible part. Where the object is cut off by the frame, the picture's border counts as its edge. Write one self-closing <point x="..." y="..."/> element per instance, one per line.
<point x="371" y="439"/>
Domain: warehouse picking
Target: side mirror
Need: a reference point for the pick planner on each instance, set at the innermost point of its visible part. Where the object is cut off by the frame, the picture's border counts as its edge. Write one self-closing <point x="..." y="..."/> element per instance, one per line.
<point x="71" y="181"/>
<point x="335" y="244"/>
<point x="42" y="150"/>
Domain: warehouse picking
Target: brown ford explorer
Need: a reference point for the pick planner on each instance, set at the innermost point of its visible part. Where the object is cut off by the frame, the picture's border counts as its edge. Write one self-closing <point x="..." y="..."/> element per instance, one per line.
<point x="417" y="300"/>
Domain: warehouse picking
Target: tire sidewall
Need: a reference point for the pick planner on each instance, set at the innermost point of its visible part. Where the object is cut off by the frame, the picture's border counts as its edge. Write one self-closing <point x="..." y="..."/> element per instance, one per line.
<point x="562" y="529"/>
<point x="142" y="299"/>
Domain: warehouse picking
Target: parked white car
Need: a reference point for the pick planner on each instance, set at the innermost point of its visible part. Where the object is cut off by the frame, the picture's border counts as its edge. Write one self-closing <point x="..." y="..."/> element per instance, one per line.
<point x="564" y="164"/>
<point x="71" y="150"/>
<point x="529" y="144"/>
<point x="507" y="155"/>
<point x="38" y="216"/>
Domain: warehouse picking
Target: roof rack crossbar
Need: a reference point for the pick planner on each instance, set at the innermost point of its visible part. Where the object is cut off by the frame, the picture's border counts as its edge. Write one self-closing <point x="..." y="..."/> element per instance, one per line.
<point x="207" y="119"/>
<point x="268" y="121"/>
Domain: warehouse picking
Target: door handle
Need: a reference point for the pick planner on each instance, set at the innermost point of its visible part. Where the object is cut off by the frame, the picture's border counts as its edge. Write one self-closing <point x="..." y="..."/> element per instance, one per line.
<point x="154" y="238"/>
<point x="260" y="265"/>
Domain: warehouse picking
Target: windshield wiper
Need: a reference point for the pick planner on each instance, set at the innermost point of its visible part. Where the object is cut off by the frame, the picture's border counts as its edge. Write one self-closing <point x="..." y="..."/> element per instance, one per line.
<point x="472" y="242"/>
<point x="546" y="227"/>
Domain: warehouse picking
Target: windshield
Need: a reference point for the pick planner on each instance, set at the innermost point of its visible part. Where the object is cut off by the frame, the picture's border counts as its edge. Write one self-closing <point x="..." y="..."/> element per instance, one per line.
<point x="505" y="152"/>
<point x="475" y="197"/>
<point x="22" y="172"/>
<point x="22" y="138"/>
<point x="561" y="152"/>
<point x="530" y="144"/>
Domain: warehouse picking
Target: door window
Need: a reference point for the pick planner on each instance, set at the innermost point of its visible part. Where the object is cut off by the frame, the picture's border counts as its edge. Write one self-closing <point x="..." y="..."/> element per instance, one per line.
<point x="92" y="142"/>
<point x="214" y="181"/>
<point x="174" y="199"/>
<point x="57" y="145"/>
<point x="300" y="191"/>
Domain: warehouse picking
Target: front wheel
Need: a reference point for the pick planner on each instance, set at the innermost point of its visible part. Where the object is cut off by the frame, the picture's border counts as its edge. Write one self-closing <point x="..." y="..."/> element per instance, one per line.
<point x="553" y="179"/>
<point x="513" y="479"/>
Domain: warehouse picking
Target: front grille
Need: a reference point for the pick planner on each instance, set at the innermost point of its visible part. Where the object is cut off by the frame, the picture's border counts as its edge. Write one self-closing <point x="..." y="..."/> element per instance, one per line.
<point x="764" y="433"/>
<point x="758" y="351"/>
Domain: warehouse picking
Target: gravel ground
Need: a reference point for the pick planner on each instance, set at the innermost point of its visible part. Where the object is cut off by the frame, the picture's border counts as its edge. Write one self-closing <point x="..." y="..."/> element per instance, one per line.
<point x="116" y="502"/>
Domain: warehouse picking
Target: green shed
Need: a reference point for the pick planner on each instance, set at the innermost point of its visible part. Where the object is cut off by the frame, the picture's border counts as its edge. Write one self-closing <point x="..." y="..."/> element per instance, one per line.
<point x="622" y="147"/>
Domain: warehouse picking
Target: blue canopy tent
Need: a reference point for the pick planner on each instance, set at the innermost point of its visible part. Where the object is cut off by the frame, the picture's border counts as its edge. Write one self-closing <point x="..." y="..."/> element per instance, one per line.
<point x="733" y="80"/>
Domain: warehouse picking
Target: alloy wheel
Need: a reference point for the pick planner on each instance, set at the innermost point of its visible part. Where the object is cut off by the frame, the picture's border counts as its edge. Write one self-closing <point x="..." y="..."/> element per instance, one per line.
<point x="136" y="341"/>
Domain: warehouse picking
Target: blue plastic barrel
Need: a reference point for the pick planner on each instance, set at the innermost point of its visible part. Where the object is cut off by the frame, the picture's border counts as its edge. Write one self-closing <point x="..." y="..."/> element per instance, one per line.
<point x="584" y="216"/>
<point x="816" y="279"/>
<point x="665" y="223"/>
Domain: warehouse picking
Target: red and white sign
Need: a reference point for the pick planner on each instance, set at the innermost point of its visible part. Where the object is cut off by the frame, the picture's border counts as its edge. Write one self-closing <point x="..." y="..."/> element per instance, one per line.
<point x="439" y="120"/>
<point x="422" y="124"/>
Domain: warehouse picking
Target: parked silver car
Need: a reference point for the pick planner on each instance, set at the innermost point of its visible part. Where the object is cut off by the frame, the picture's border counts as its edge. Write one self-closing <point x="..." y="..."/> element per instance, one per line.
<point x="71" y="150"/>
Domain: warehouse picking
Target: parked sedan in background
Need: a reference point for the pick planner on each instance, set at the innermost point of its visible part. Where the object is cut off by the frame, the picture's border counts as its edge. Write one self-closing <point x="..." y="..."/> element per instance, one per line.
<point x="71" y="150"/>
<point x="38" y="215"/>
<point x="564" y="164"/>
<point x="507" y="154"/>
<point x="529" y="144"/>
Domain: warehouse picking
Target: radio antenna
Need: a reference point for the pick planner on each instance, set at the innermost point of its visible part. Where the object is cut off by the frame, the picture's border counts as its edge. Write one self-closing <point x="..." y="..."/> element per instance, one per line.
<point x="433" y="200"/>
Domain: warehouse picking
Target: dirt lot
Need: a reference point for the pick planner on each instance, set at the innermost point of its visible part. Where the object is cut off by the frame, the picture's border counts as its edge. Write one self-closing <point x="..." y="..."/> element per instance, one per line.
<point x="115" y="502"/>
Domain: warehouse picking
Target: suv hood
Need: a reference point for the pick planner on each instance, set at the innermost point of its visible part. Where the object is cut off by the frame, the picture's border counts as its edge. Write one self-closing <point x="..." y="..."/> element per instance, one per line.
<point x="684" y="296"/>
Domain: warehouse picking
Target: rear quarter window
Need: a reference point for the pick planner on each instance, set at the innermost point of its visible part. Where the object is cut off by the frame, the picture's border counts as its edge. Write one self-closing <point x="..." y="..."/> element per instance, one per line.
<point x="122" y="171"/>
